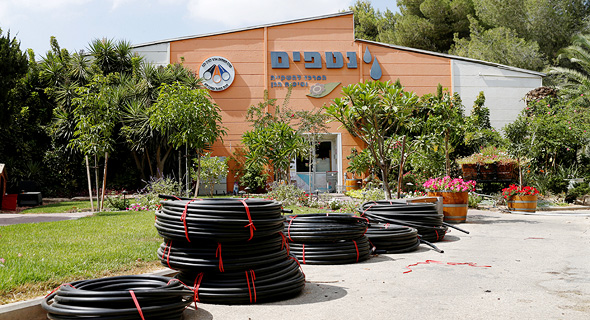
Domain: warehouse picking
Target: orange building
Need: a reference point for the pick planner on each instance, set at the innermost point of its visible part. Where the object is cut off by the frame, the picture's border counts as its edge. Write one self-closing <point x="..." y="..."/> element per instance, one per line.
<point x="317" y="57"/>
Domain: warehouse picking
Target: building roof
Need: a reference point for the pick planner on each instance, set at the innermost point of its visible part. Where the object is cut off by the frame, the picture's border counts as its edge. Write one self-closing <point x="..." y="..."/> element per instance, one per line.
<point x="450" y="56"/>
<point x="246" y="28"/>
<point x="432" y="53"/>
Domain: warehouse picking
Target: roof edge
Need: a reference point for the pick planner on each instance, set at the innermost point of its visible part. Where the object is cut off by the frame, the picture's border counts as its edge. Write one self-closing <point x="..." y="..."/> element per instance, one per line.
<point x="450" y="56"/>
<point x="274" y="24"/>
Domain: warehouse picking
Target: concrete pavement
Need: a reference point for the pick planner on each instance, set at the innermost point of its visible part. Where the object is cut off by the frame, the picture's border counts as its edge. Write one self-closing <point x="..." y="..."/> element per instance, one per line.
<point x="539" y="268"/>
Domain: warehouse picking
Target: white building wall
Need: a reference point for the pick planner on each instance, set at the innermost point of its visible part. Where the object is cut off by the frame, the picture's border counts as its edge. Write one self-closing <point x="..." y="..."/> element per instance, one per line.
<point x="504" y="89"/>
<point x="157" y="54"/>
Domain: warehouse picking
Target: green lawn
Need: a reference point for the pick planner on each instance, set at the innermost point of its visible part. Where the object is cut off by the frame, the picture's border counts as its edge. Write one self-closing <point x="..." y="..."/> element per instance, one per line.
<point x="66" y="206"/>
<point x="40" y="256"/>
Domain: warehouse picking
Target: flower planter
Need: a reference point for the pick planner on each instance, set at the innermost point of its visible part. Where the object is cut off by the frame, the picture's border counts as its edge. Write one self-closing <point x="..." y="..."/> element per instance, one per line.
<point x="488" y="171"/>
<point x="506" y="171"/>
<point x="524" y="204"/>
<point x="469" y="171"/>
<point x="454" y="205"/>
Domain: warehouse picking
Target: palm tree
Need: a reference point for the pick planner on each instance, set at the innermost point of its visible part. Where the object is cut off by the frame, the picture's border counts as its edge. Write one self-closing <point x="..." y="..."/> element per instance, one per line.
<point x="574" y="83"/>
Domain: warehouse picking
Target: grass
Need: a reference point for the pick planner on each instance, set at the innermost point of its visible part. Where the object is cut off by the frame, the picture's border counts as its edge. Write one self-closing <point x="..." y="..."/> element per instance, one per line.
<point x="61" y="207"/>
<point x="38" y="257"/>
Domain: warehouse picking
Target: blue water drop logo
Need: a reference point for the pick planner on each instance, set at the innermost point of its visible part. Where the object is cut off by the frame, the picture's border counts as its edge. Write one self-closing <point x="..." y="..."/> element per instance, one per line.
<point x="376" y="72"/>
<point x="367" y="56"/>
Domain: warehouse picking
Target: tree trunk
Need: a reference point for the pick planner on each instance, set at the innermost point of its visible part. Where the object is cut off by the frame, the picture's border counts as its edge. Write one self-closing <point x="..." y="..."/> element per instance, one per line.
<point x="447" y="161"/>
<point x="198" y="174"/>
<point x="104" y="180"/>
<point x="400" y="177"/>
<point x="96" y="181"/>
<point x="89" y="184"/>
<point x="139" y="164"/>
<point x="161" y="161"/>
<point x="385" y="178"/>
<point x="149" y="162"/>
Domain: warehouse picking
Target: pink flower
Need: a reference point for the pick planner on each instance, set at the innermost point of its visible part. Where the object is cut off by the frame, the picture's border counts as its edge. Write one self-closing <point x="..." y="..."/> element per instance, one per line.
<point x="19" y="255"/>
<point x="568" y="149"/>
<point x="2" y="260"/>
<point x="570" y="128"/>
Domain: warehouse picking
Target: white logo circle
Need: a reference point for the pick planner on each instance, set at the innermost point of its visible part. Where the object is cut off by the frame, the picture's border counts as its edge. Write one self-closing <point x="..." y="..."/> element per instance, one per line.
<point x="217" y="72"/>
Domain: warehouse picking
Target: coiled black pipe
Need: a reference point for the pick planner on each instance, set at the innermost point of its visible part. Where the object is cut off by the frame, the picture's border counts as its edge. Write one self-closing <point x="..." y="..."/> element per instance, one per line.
<point x="276" y="281"/>
<point x="421" y="216"/>
<point x="323" y="227"/>
<point x="221" y="220"/>
<point x="122" y="297"/>
<point x="210" y="256"/>
<point x="389" y="238"/>
<point x="337" y="252"/>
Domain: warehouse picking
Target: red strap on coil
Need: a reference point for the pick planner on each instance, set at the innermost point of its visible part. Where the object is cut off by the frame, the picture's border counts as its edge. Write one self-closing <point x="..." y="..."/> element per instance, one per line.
<point x="61" y="285"/>
<point x="289" y="227"/>
<point x="284" y="243"/>
<point x="184" y="284"/>
<point x="251" y="224"/>
<point x="136" y="304"/>
<point x="471" y="264"/>
<point x="299" y="264"/>
<point x="304" y="253"/>
<point x="197" y="285"/>
<point x="436" y="234"/>
<point x="357" y="250"/>
<point x="362" y="214"/>
<point x="183" y="218"/>
<point x="253" y="276"/>
<point x="169" y="247"/>
<point x="218" y="252"/>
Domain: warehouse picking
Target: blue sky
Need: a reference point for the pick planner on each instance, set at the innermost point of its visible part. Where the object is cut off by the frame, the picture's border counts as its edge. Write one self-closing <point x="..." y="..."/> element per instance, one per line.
<point x="76" y="22"/>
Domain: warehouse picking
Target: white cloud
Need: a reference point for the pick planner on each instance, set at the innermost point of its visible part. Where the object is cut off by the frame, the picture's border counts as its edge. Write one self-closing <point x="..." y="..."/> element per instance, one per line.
<point x="235" y="13"/>
<point x="47" y="4"/>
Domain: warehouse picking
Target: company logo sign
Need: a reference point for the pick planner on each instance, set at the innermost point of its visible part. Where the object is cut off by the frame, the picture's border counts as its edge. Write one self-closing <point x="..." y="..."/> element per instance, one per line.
<point x="218" y="73"/>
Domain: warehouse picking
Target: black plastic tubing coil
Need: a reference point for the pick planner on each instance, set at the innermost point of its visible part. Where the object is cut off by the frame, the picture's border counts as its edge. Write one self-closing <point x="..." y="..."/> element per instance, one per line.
<point x="123" y="297"/>
<point x="337" y="252"/>
<point x="324" y="227"/>
<point x="204" y="255"/>
<point x="272" y="282"/>
<point x="422" y="216"/>
<point x="218" y="219"/>
<point x="390" y="238"/>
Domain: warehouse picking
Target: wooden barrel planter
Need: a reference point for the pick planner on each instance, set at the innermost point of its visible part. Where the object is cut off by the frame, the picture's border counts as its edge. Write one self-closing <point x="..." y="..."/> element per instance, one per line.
<point x="488" y="171"/>
<point x="506" y="171"/>
<point x="353" y="184"/>
<point x="523" y="204"/>
<point x="454" y="205"/>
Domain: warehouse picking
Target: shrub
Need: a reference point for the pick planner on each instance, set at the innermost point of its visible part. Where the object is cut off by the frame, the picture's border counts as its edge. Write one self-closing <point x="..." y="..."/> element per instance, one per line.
<point x="155" y="187"/>
<point x="288" y="194"/>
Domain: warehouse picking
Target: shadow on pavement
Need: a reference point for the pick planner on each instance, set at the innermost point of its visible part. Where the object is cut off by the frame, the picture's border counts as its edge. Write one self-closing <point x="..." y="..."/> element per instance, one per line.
<point x="315" y="293"/>
<point x="483" y="219"/>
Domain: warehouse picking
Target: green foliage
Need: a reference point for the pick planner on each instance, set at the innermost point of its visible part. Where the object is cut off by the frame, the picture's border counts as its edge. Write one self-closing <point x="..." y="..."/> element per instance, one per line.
<point x="213" y="170"/>
<point x="187" y="116"/>
<point x="379" y="114"/>
<point x="367" y="194"/>
<point x="359" y="161"/>
<point x="155" y="187"/>
<point x="550" y="23"/>
<point x="116" y="201"/>
<point x="474" y="200"/>
<point x="431" y="24"/>
<point x="13" y="66"/>
<point x="501" y="45"/>
<point x="574" y="82"/>
<point x="579" y="190"/>
<point x="371" y="24"/>
<point x="287" y="194"/>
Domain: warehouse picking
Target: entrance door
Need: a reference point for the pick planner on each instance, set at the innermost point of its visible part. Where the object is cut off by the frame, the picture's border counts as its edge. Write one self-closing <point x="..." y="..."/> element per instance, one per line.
<point x="321" y="175"/>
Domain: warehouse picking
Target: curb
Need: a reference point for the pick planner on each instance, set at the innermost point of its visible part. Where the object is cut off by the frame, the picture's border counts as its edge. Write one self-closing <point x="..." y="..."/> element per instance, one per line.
<point x="32" y="310"/>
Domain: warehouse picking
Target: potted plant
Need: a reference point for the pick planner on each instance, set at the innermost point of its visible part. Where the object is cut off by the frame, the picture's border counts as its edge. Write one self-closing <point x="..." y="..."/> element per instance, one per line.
<point x="455" y="194"/>
<point x="521" y="198"/>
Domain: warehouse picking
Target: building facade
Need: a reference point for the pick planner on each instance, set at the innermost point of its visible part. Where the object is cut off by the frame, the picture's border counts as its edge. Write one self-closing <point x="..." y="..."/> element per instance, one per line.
<point x="317" y="57"/>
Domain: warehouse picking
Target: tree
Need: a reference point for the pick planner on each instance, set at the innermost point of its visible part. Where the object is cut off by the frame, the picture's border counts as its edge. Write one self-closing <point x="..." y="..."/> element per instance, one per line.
<point x="574" y="82"/>
<point x="500" y="45"/>
<point x="213" y="170"/>
<point x="188" y="117"/>
<point x="431" y="24"/>
<point x="13" y="66"/>
<point x="445" y="120"/>
<point x="375" y="112"/>
<point x="550" y="23"/>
